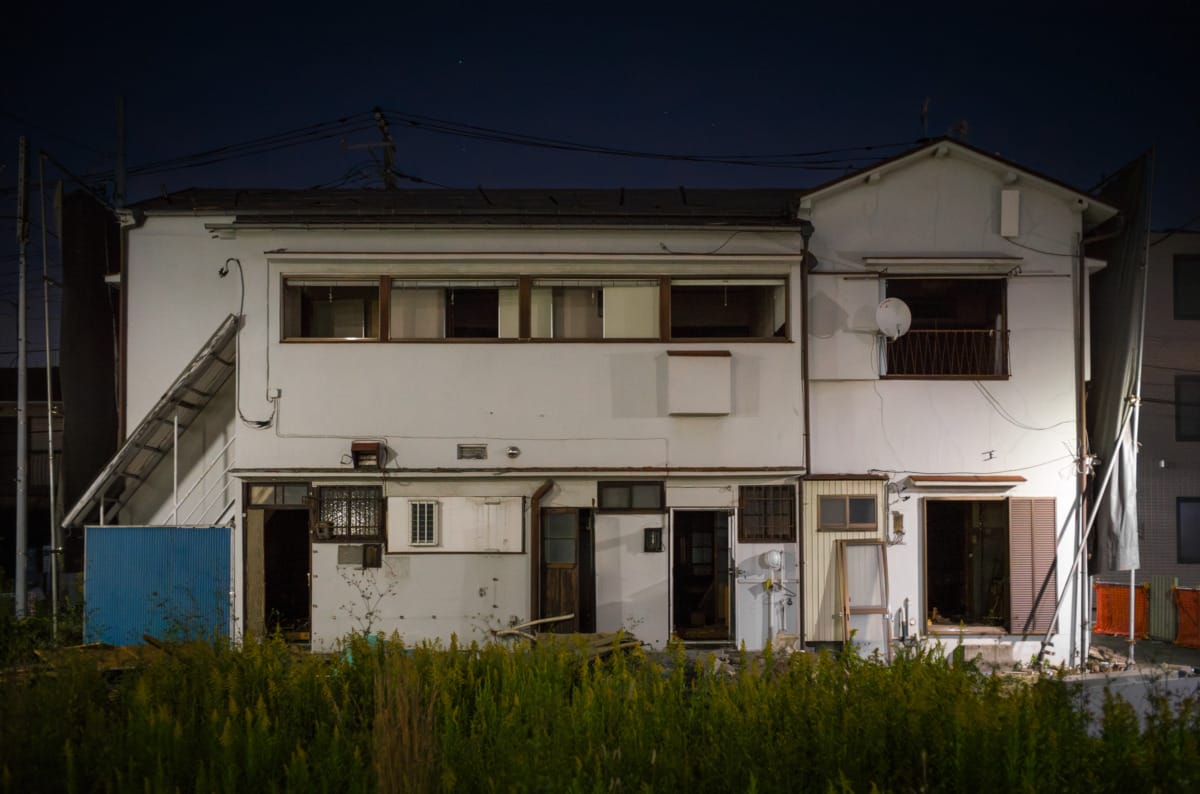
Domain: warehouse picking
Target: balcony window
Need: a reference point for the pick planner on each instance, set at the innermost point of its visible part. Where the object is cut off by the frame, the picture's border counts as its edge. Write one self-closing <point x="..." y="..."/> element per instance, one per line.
<point x="959" y="329"/>
<point x="728" y="308"/>
<point x="331" y="308"/>
<point x="1186" y="292"/>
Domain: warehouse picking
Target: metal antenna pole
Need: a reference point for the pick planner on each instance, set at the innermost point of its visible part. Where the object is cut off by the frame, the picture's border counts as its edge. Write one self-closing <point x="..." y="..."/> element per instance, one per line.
<point x="22" y="541"/>
<point x="119" y="173"/>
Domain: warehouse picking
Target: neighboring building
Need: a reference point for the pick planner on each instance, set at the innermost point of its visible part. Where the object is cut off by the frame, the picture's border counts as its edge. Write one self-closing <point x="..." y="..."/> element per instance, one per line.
<point x="447" y="411"/>
<point x="1169" y="420"/>
<point x="957" y="440"/>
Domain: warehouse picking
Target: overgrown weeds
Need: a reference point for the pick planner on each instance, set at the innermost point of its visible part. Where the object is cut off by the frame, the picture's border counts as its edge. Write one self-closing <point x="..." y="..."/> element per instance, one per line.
<point x="484" y="718"/>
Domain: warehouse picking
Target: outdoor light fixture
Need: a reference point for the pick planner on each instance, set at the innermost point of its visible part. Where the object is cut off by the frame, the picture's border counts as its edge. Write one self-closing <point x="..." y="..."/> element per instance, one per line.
<point x="367" y="454"/>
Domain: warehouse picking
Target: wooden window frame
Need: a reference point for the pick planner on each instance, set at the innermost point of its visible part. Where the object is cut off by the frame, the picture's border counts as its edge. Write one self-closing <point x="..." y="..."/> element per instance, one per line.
<point x="847" y="526"/>
<point x="746" y="519"/>
<point x="603" y="485"/>
<point x="524" y="284"/>
<point x="284" y="318"/>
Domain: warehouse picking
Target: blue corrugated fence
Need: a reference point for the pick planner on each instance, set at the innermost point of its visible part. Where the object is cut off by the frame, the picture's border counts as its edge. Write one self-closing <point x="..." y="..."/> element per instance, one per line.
<point x="162" y="581"/>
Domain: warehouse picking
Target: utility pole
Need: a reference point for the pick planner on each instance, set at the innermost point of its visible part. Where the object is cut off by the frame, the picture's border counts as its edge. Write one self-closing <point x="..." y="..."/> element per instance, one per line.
<point x="55" y="540"/>
<point x="22" y="539"/>
<point x="119" y="174"/>
<point x="389" y="150"/>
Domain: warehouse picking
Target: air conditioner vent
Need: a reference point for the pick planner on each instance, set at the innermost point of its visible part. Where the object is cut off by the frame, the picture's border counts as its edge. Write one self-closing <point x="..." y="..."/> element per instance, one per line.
<point x="472" y="451"/>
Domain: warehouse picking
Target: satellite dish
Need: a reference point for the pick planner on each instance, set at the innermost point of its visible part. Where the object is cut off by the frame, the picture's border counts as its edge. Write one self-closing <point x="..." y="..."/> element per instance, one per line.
<point x="893" y="318"/>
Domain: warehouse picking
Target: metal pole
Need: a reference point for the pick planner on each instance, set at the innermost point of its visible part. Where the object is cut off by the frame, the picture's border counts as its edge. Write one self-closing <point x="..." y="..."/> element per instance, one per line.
<point x="1132" y="638"/>
<point x="119" y="173"/>
<point x="55" y="543"/>
<point x="175" y="470"/>
<point x="22" y="539"/>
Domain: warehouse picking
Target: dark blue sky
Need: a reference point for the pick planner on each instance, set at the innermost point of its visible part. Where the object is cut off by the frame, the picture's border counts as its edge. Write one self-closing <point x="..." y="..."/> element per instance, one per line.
<point x="1074" y="93"/>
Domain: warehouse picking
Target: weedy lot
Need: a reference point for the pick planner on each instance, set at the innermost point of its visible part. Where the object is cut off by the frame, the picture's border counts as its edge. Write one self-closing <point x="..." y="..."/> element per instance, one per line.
<point x="202" y="717"/>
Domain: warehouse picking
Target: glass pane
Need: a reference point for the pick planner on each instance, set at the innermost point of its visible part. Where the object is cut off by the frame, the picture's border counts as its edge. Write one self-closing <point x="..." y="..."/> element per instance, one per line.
<point x="614" y="497"/>
<point x="262" y="494"/>
<point x="347" y="309"/>
<point x="541" y="313"/>
<point x="646" y="496"/>
<point x="870" y="634"/>
<point x="1189" y="530"/>
<point x="295" y="494"/>
<point x="558" y="525"/>
<point x="864" y="575"/>
<point x="578" y="313"/>
<point x="862" y="510"/>
<point x="631" y="312"/>
<point x="560" y="550"/>
<point x="417" y="313"/>
<point x="472" y="313"/>
<point x="833" y="511"/>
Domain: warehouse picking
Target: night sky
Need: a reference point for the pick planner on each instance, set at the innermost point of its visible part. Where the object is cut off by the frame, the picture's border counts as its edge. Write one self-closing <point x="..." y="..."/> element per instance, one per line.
<point x="1072" y="93"/>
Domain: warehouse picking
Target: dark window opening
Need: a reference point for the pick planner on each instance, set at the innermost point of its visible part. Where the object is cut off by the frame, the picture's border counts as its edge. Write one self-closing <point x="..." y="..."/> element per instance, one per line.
<point x="1187" y="522"/>
<point x="967" y="563"/>
<point x="1187" y="407"/>
<point x="728" y="310"/>
<point x="1187" y="287"/>
<point x="431" y="309"/>
<point x="959" y="328"/>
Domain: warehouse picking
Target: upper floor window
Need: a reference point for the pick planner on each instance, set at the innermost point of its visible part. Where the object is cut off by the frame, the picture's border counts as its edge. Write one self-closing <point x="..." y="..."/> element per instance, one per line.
<point x="632" y="308"/>
<point x="454" y="309"/>
<point x="1187" y="286"/>
<point x="959" y="329"/>
<point x="1187" y="407"/>
<point x="317" y="308"/>
<point x="728" y="308"/>
<point x="564" y="308"/>
<point x="1187" y="525"/>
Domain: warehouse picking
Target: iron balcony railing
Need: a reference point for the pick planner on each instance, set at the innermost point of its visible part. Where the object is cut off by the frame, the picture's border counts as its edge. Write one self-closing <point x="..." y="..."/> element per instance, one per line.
<point x="948" y="354"/>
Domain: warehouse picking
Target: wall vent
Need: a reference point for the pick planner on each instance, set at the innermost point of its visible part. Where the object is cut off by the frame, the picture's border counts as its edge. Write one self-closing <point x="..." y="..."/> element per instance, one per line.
<point x="472" y="451"/>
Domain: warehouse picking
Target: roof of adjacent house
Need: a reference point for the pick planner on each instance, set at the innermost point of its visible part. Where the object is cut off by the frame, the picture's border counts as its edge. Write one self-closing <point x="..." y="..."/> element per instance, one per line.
<point x="683" y="206"/>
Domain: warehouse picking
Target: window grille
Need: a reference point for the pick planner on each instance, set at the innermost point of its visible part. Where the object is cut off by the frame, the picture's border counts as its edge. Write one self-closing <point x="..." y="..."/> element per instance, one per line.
<point x="352" y="511"/>
<point x="766" y="513"/>
<point x="423" y="525"/>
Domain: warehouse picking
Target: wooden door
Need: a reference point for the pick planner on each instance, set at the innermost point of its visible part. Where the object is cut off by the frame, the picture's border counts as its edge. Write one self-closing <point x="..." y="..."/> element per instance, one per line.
<point x="567" y="570"/>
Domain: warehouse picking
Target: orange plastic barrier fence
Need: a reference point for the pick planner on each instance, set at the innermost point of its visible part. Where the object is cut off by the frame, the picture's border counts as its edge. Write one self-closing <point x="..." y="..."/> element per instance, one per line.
<point x="1187" y="610"/>
<point x="1112" y="610"/>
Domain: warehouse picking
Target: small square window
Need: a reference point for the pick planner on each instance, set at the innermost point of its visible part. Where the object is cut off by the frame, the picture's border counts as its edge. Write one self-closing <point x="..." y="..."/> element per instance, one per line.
<point x="632" y="497"/>
<point x="766" y="513"/>
<point x="847" y="513"/>
<point x="423" y="523"/>
<point x="352" y="511"/>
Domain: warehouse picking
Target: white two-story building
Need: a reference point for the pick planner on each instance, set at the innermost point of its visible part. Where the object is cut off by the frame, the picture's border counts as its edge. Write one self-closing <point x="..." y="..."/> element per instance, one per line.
<point x="443" y="412"/>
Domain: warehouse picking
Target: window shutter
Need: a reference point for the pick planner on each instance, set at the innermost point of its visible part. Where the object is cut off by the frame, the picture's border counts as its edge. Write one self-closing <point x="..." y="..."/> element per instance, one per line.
<point x="1033" y="584"/>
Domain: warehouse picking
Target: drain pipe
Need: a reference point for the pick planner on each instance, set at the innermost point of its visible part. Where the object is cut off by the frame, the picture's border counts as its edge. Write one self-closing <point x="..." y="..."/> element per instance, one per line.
<point x="806" y="233"/>
<point x="535" y="547"/>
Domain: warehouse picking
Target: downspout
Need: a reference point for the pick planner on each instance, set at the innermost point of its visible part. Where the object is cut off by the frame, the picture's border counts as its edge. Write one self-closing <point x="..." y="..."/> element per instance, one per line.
<point x="1083" y="598"/>
<point x="806" y="233"/>
<point x="128" y="220"/>
<point x="535" y="548"/>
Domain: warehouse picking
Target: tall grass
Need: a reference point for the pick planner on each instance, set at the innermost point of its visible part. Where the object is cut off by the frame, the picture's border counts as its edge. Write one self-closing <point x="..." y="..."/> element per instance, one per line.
<point x="485" y="719"/>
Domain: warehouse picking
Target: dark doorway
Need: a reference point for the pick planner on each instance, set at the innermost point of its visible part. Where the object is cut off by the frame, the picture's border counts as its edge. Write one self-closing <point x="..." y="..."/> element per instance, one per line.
<point x="700" y="590"/>
<point x="568" y="570"/>
<point x="285" y="570"/>
<point x="966" y="562"/>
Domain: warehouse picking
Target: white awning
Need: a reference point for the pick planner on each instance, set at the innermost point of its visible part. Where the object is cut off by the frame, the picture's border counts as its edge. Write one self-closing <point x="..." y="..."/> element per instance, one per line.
<point x="154" y="437"/>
